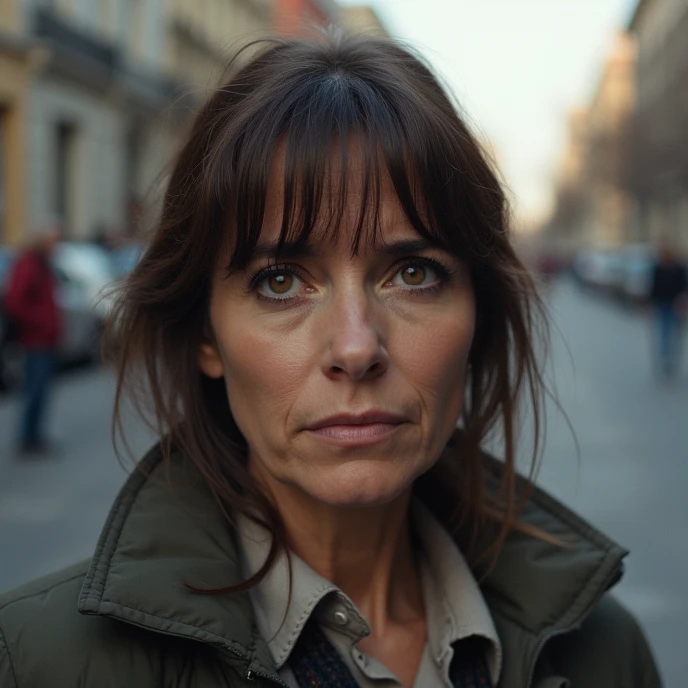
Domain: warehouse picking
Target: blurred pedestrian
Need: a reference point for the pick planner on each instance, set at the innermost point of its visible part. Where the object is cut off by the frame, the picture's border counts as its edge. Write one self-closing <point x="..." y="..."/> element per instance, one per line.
<point x="330" y="291"/>
<point x="668" y="296"/>
<point x="31" y="303"/>
<point x="547" y="266"/>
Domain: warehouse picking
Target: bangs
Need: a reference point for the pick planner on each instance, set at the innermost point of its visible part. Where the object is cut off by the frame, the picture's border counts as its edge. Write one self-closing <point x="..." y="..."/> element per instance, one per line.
<point x="331" y="140"/>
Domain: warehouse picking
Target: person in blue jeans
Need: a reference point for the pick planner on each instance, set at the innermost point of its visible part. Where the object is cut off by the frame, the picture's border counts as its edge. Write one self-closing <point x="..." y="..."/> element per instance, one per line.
<point x="40" y="364"/>
<point x="668" y="294"/>
<point x="31" y="302"/>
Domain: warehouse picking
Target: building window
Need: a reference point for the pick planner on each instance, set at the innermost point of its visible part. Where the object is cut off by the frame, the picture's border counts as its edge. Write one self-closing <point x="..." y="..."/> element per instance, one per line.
<point x="65" y="175"/>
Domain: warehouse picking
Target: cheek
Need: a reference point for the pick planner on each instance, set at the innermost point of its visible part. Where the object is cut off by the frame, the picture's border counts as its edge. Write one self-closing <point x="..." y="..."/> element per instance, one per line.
<point x="439" y="352"/>
<point x="435" y="359"/>
<point x="263" y="374"/>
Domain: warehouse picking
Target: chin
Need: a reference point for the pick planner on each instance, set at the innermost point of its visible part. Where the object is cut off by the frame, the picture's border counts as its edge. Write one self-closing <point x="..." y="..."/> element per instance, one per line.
<point x="360" y="486"/>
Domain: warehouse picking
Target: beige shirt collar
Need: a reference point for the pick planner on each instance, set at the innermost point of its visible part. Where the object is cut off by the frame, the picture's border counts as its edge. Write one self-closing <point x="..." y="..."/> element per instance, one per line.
<point x="455" y="607"/>
<point x="280" y="625"/>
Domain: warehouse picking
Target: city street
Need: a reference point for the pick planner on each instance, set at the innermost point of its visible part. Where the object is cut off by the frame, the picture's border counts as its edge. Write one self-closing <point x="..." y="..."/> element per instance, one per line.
<point x="629" y="476"/>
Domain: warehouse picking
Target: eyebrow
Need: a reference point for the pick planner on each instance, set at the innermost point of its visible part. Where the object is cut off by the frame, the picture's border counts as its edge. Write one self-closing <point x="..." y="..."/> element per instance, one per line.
<point x="289" y="251"/>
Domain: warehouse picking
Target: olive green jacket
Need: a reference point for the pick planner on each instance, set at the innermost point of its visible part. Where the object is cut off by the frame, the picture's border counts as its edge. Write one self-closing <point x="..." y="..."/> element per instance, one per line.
<point x="125" y="618"/>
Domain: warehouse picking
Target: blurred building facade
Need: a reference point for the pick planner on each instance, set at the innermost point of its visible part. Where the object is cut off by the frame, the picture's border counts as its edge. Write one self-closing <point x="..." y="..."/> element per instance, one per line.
<point x="19" y="58"/>
<point x="593" y="205"/>
<point x="294" y="17"/>
<point x="94" y="94"/>
<point x="608" y="213"/>
<point x="202" y="34"/>
<point x="118" y="80"/>
<point x="564" y="226"/>
<point x="363" y="19"/>
<point x="85" y="100"/>
<point x="658" y="171"/>
<point x="624" y="173"/>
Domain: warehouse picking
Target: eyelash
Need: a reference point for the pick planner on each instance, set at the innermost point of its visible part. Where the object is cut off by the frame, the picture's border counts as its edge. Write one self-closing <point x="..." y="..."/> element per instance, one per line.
<point x="444" y="275"/>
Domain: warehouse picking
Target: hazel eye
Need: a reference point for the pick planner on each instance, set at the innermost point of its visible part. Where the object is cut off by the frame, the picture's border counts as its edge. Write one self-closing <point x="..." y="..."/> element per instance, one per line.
<point x="279" y="285"/>
<point x="415" y="275"/>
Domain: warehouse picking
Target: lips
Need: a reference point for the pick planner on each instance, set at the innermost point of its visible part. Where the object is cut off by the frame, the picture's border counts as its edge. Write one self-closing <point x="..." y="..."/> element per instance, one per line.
<point x="367" y="418"/>
<point x="357" y="429"/>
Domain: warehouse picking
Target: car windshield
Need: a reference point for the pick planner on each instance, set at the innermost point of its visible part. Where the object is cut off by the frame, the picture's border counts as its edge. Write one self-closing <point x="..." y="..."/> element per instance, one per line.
<point x="85" y="263"/>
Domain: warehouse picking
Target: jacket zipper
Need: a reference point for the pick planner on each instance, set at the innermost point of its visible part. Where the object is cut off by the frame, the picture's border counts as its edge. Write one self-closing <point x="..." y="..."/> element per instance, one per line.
<point x="251" y="675"/>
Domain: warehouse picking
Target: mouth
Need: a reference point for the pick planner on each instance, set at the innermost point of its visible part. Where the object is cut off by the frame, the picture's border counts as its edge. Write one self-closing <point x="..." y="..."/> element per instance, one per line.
<point x="357" y="430"/>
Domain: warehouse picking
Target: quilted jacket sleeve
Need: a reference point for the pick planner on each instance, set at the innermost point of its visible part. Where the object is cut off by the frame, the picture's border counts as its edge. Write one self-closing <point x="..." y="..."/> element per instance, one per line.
<point x="608" y="651"/>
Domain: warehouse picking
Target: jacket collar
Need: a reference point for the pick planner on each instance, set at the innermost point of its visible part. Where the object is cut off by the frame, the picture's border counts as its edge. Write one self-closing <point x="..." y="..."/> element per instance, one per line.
<point x="165" y="529"/>
<point x="537" y="590"/>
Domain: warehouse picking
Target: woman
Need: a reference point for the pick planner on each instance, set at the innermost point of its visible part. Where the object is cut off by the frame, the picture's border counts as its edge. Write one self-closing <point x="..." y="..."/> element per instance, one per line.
<point x="329" y="292"/>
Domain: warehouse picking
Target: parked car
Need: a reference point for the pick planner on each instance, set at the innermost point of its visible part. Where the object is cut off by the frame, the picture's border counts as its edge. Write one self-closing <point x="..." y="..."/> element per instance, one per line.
<point x="84" y="273"/>
<point x="637" y="262"/>
<point x="599" y="269"/>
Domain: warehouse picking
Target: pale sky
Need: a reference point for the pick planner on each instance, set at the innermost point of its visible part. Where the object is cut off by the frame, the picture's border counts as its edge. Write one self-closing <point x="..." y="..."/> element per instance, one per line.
<point x="517" y="67"/>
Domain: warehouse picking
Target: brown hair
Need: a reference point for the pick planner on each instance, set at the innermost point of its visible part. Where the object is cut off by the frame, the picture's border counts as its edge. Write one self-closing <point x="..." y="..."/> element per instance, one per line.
<point x="313" y="94"/>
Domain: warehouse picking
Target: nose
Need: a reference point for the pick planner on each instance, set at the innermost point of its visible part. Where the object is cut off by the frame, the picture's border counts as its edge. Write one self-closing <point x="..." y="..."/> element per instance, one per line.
<point x="354" y="343"/>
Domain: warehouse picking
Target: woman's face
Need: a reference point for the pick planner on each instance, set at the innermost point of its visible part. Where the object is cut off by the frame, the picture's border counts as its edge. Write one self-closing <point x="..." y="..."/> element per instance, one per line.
<point x="345" y="374"/>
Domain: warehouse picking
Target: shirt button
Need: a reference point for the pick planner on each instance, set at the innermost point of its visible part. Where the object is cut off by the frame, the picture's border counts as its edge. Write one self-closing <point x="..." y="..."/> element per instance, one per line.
<point x="341" y="618"/>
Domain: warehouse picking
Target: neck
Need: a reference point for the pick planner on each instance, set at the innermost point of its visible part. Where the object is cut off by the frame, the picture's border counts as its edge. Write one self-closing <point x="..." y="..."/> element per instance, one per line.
<point x="366" y="552"/>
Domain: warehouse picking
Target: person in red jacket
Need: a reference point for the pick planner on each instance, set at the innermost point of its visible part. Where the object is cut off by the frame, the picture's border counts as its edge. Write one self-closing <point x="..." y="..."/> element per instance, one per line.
<point x="31" y="302"/>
